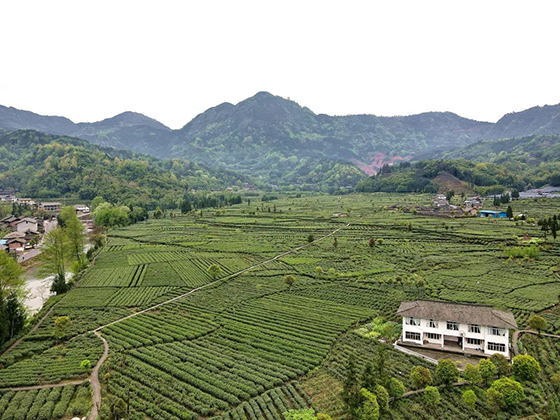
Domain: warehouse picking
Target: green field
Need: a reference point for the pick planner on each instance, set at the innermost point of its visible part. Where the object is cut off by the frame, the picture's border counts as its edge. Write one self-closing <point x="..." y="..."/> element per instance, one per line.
<point x="247" y="346"/>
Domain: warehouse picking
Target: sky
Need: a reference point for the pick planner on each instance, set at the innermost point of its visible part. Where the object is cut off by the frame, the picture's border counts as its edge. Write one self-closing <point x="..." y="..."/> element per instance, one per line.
<point x="171" y="60"/>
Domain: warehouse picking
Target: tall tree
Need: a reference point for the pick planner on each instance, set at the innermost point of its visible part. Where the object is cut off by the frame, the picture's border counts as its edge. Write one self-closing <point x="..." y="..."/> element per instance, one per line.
<point x="10" y="275"/>
<point x="55" y="256"/>
<point x="76" y="233"/>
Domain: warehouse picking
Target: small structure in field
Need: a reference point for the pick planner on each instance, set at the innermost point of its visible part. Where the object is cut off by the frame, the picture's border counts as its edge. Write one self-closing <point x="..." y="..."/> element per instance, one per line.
<point x="456" y="327"/>
<point x="493" y="213"/>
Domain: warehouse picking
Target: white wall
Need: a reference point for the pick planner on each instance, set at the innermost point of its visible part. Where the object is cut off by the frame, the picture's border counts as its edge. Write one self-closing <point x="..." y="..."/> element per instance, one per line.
<point x="463" y="331"/>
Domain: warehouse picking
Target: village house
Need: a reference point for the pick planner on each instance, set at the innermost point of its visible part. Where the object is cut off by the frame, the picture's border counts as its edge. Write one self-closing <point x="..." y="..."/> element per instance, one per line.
<point x="25" y="201"/>
<point x="51" y="207"/>
<point x="440" y="201"/>
<point x="472" y="203"/>
<point x="456" y="327"/>
<point x="81" y="208"/>
<point x="27" y="224"/>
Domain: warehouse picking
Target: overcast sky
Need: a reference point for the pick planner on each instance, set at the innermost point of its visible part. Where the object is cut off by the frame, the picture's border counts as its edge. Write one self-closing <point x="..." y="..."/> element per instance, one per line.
<point x="171" y="60"/>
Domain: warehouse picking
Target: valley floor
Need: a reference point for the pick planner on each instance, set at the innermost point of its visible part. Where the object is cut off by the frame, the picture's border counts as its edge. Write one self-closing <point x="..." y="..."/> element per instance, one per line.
<point x="244" y="344"/>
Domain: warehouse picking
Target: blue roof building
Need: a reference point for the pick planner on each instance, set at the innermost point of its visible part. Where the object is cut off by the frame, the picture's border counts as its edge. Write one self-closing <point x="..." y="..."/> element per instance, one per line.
<point x="493" y="213"/>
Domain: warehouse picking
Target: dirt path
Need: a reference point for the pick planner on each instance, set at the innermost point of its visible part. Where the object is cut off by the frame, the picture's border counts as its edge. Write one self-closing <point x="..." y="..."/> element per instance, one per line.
<point x="420" y="391"/>
<point x="517" y="333"/>
<point x="95" y="385"/>
<point x="59" y="384"/>
<point x="37" y="325"/>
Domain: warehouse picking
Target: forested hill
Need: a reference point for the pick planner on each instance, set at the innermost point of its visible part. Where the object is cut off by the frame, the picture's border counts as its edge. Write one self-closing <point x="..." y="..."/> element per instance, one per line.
<point x="530" y="150"/>
<point x="277" y="141"/>
<point x="43" y="165"/>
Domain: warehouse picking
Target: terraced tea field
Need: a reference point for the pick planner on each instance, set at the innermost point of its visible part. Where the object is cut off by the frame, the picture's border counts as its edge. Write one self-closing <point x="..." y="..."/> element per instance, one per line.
<point x="184" y="344"/>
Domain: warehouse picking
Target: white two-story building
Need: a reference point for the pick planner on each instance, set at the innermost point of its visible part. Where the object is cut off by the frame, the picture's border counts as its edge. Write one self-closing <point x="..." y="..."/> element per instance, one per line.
<point x="456" y="326"/>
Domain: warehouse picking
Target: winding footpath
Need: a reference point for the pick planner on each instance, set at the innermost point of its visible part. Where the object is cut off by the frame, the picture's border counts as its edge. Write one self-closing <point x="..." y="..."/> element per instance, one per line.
<point x="517" y="333"/>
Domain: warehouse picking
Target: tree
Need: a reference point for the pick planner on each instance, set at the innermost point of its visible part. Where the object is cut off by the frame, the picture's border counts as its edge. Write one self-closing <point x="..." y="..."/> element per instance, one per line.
<point x="369" y="379"/>
<point x="215" y="271"/>
<point x="350" y="390"/>
<point x="396" y="388"/>
<point x="447" y="371"/>
<point x="503" y="368"/>
<point x="55" y="255"/>
<point x="515" y="195"/>
<point x="487" y="370"/>
<point x="186" y="205"/>
<point x="382" y="397"/>
<point x="472" y="374"/>
<point x="450" y="195"/>
<point x="420" y="377"/>
<point x="96" y="202"/>
<point x="335" y="243"/>
<point x="371" y="243"/>
<point x="76" y="233"/>
<point x="289" y="280"/>
<point x="110" y="216"/>
<point x="509" y="212"/>
<point x="370" y="407"/>
<point x="14" y="315"/>
<point x="526" y="367"/>
<point x="11" y="275"/>
<point x="505" y="393"/>
<point x="431" y="396"/>
<point x="469" y="398"/>
<point x="310" y="238"/>
<point x="537" y="322"/>
<point x="61" y="325"/>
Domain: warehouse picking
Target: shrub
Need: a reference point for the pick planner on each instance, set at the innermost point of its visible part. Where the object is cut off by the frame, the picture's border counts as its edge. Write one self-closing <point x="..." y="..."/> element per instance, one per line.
<point x="396" y="388"/>
<point x="487" y="370"/>
<point x="503" y="367"/>
<point x="420" y="377"/>
<point x="431" y="396"/>
<point x="447" y="371"/>
<point x="472" y="374"/>
<point x="537" y="322"/>
<point x="370" y="407"/>
<point x="469" y="397"/>
<point x="382" y="397"/>
<point x="526" y="367"/>
<point x="505" y="393"/>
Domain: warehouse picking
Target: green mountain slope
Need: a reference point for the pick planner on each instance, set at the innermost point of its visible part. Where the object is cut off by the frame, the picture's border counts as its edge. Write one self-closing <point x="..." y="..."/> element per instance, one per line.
<point x="277" y="141"/>
<point x="43" y="165"/>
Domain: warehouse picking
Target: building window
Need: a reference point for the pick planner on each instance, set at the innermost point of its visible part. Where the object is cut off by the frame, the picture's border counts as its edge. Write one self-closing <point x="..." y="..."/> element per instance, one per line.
<point x="412" y="336"/>
<point x="497" y="331"/>
<point x="497" y="347"/>
<point x="454" y="326"/>
<point x="432" y="323"/>
<point x="412" y="321"/>
<point x="432" y="336"/>
<point x="473" y="328"/>
<point x="474" y="341"/>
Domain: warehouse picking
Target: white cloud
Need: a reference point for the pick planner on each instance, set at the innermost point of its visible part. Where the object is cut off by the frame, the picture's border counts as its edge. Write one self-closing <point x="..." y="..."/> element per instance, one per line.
<point x="173" y="59"/>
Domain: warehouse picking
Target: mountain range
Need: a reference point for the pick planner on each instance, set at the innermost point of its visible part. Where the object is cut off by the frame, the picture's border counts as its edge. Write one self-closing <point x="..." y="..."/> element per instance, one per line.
<point x="277" y="141"/>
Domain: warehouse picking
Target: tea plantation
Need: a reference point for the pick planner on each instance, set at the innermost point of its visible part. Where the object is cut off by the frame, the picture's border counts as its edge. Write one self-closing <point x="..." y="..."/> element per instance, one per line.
<point x="244" y="344"/>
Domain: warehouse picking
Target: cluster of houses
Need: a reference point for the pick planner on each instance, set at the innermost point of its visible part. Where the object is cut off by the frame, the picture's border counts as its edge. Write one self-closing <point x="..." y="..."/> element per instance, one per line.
<point x="472" y="206"/>
<point x="25" y="232"/>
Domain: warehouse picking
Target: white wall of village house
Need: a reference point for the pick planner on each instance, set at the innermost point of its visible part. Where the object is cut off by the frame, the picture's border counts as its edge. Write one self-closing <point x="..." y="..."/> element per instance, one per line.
<point x="452" y="335"/>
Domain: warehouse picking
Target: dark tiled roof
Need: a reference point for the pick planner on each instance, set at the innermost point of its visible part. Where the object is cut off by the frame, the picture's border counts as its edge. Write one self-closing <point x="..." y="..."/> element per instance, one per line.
<point x="458" y="312"/>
